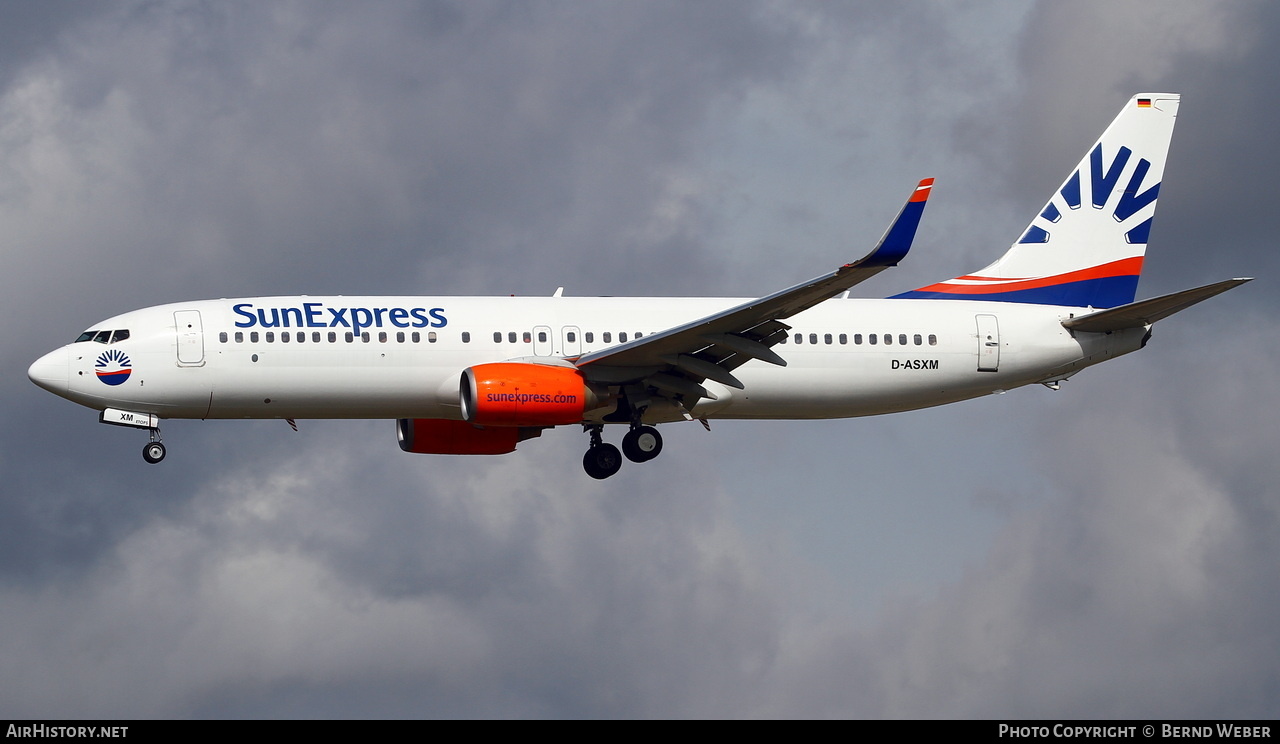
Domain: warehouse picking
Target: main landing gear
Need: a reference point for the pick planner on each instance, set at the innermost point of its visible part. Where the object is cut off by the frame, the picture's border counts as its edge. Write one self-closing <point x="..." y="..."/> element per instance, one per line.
<point x="641" y="444"/>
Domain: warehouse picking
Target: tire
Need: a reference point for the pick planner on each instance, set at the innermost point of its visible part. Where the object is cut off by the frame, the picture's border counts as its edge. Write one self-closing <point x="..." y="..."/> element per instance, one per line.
<point x="153" y="452"/>
<point x="642" y="444"/>
<point x="602" y="461"/>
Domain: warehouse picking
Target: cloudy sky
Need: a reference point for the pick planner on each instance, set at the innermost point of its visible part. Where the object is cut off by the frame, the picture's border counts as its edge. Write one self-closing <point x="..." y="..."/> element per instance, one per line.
<point x="1105" y="550"/>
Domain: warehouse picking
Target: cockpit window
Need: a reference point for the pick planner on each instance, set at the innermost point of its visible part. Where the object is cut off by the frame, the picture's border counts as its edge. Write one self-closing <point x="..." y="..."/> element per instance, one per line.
<point x="103" y="337"/>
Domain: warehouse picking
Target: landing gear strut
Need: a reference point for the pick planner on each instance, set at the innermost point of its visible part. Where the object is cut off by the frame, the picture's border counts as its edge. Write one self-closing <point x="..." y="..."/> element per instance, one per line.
<point x="602" y="459"/>
<point x="154" y="452"/>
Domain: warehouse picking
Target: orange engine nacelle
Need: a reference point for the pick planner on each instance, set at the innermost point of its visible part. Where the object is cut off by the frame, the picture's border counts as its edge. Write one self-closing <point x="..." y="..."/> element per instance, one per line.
<point x="519" y="394"/>
<point x="445" y="437"/>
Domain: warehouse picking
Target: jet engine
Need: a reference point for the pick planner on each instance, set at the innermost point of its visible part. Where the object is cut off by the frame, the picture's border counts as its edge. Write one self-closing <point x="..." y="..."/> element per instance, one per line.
<point x="521" y="394"/>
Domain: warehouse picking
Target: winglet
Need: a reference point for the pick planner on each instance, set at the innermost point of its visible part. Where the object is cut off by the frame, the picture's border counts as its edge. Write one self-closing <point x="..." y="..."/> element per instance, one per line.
<point x="897" y="240"/>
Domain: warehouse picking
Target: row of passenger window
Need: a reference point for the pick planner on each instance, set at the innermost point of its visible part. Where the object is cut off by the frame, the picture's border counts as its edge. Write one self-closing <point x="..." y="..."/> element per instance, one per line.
<point x="569" y="336"/>
<point x="316" y="337"/>
<point x="871" y="338"/>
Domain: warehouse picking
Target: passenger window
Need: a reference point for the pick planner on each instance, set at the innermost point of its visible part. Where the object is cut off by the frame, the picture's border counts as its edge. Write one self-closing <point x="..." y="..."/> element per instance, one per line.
<point x="813" y="338"/>
<point x="271" y="337"/>
<point x="466" y="337"/>
<point x="511" y="337"/>
<point x="888" y="339"/>
<point x="919" y="341"/>
<point x="315" y="337"/>
<point x="528" y="337"/>
<point x="622" y="337"/>
<point x="364" y="336"/>
<point x="284" y="337"/>
<point x="639" y="334"/>
<point x="857" y="339"/>
<point x="239" y="337"/>
<point x="416" y="337"/>
<point x="571" y="336"/>
<point x="542" y="337"/>
<point x="783" y="340"/>
<point x="799" y="338"/>
<point x="608" y="337"/>
<point x="933" y="340"/>
<point x="382" y="337"/>
<point x="844" y="339"/>
<point x="589" y="337"/>
<point x="222" y="337"/>
<point x="350" y="338"/>
<point x="827" y="339"/>
<point x="399" y="337"/>
<point x="497" y="337"/>
<point x="333" y="337"/>
<point x="253" y="337"/>
<point x="431" y="337"/>
<point x="871" y="339"/>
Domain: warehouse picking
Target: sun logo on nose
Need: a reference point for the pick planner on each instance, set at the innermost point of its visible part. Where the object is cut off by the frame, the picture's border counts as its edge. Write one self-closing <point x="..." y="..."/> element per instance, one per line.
<point x="113" y="367"/>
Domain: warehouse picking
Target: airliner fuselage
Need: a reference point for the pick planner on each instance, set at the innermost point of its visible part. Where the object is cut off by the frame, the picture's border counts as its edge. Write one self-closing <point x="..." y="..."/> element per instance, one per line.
<point x="247" y="358"/>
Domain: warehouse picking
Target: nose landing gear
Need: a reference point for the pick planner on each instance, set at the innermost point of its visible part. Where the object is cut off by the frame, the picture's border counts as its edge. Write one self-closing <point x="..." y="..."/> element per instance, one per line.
<point x="154" y="451"/>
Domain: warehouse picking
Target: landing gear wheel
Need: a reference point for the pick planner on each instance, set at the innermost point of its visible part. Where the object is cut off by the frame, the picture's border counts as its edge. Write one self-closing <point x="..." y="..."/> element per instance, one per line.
<point x="153" y="452"/>
<point x="642" y="444"/>
<point x="602" y="461"/>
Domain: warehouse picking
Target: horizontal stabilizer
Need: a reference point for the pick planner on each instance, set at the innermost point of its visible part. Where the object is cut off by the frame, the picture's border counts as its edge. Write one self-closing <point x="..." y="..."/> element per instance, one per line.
<point x="1146" y="312"/>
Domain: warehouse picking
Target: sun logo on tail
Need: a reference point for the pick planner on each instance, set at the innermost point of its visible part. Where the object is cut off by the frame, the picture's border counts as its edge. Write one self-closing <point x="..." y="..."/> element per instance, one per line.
<point x="113" y="367"/>
<point x="1102" y="185"/>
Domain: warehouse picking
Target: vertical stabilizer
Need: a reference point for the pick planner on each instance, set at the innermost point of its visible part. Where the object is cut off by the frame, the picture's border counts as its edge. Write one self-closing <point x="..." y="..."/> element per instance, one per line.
<point x="1085" y="247"/>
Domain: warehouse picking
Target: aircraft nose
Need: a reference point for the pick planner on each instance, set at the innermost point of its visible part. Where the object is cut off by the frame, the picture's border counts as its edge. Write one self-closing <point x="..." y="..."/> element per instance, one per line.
<point x="50" y="371"/>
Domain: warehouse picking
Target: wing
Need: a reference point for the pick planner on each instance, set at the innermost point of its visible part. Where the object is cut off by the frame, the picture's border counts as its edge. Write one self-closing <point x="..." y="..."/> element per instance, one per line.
<point x="677" y="360"/>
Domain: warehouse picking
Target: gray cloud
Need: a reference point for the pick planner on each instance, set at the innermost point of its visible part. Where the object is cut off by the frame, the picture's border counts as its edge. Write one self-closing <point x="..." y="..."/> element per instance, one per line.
<point x="1100" y="551"/>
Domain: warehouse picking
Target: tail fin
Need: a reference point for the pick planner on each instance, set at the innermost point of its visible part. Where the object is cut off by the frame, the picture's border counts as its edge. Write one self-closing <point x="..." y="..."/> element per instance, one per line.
<point x="1085" y="248"/>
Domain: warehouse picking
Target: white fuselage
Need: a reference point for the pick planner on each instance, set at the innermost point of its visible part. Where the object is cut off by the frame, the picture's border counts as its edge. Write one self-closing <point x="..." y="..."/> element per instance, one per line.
<point x="401" y="357"/>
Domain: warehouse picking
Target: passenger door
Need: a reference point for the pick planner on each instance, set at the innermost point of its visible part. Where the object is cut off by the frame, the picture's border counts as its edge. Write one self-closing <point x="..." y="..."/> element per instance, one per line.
<point x="988" y="344"/>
